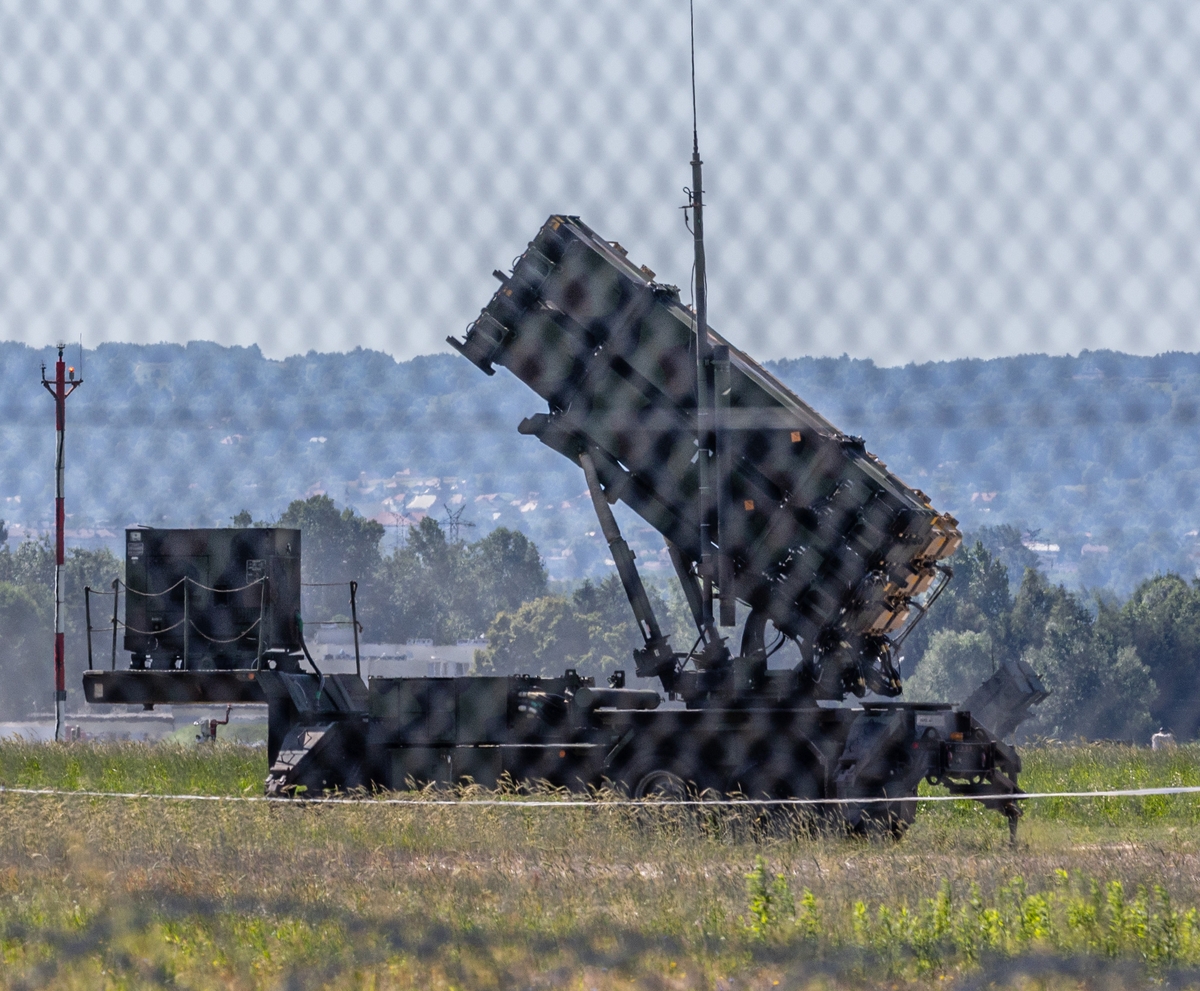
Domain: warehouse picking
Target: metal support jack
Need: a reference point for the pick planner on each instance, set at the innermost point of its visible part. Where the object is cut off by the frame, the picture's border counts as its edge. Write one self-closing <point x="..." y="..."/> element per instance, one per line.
<point x="116" y="587"/>
<point x="187" y="622"/>
<point x="262" y="628"/>
<point x="354" y="625"/>
<point x="87" y="615"/>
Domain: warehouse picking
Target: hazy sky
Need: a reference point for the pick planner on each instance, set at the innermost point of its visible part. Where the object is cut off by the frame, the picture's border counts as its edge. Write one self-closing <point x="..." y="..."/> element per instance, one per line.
<point x="896" y="179"/>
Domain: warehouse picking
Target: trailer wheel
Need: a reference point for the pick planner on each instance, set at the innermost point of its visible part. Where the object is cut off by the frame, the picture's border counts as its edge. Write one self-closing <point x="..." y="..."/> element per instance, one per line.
<point x="888" y="820"/>
<point x="662" y="785"/>
<point x="796" y="778"/>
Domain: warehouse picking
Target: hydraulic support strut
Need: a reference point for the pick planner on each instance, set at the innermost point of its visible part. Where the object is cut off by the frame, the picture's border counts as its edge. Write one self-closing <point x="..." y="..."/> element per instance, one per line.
<point x="657" y="660"/>
<point x="714" y="653"/>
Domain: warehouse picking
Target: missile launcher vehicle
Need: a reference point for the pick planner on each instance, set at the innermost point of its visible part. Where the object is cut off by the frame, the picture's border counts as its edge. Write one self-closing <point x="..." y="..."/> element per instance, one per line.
<point x="765" y="507"/>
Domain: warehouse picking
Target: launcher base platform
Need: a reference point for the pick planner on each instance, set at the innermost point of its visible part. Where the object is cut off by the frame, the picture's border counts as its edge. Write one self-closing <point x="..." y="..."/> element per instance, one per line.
<point x="124" y="687"/>
<point x="335" y="734"/>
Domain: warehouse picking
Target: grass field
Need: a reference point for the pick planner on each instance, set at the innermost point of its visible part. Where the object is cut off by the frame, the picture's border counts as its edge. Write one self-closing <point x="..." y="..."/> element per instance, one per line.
<point x="101" y="892"/>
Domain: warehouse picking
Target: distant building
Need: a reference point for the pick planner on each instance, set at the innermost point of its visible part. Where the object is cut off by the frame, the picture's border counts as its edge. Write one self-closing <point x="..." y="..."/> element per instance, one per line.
<point x="1047" y="553"/>
<point x="333" y="650"/>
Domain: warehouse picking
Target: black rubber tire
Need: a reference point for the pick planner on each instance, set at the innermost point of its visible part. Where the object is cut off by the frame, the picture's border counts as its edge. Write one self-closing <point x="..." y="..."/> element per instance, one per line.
<point x="888" y="820"/>
<point x="663" y="785"/>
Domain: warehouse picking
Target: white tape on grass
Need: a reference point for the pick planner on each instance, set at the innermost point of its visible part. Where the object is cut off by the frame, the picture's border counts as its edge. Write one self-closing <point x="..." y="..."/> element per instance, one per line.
<point x="569" y="803"/>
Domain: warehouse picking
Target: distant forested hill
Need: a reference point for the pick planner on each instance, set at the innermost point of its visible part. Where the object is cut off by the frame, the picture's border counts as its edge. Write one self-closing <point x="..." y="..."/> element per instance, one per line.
<point x="1095" y="454"/>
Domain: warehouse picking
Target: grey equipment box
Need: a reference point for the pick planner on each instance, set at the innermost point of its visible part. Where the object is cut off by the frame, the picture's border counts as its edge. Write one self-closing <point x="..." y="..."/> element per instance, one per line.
<point x="239" y="586"/>
<point x="204" y="610"/>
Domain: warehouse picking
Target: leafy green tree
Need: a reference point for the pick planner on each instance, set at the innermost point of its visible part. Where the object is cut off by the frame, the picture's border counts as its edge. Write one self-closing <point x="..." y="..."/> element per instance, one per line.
<point x="955" y="664"/>
<point x="94" y="569"/>
<point x="593" y="632"/>
<point x="448" y="591"/>
<point x="423" y="585"/>
<point x="1003" y="542"/>
<point x="612" y="633"/>
<point x="336" y="547"/>
<point x="508" y="571"/>
<point x="25" y="631"/>
<point x="1095" y="694"/>
<point x="1092" y="665"/>
<point x="31" y="566"/>
<point x="27" y="619"/>
<point x="1162" y="621"/>
<point x="1033" y="606"/>
<point x="977" y="600"/>
<point x="671" y="606"/>
<point x="1099" y="686"/>
<point x="541" y="637"/>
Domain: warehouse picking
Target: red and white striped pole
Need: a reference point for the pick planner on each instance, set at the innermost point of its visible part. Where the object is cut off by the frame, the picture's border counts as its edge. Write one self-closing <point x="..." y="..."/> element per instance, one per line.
<point x="59" y="388"/>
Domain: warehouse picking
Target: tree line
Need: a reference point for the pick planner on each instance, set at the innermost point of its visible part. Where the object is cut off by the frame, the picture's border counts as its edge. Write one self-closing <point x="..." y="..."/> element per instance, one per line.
<point x="27" y="620"/>
<point x="430" y="588"/>
<point x="449" y="590"/>
<point x="1116" y="669"/>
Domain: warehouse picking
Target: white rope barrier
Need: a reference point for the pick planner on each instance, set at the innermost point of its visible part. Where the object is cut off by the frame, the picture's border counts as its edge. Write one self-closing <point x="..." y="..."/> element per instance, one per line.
<point x="521" y="803"/>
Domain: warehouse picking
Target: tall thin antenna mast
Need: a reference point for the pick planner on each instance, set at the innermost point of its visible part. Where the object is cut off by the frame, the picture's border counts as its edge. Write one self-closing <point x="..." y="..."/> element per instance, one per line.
<point x="704" y="411"/>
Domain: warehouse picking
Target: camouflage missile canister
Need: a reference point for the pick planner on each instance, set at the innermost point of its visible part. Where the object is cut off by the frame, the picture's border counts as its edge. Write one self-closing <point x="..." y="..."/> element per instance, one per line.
<point x="819" y="535"/>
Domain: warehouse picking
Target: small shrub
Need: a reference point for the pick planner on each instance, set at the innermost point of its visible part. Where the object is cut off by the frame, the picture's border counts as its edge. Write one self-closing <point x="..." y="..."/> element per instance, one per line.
<point x="770" y="900"/>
